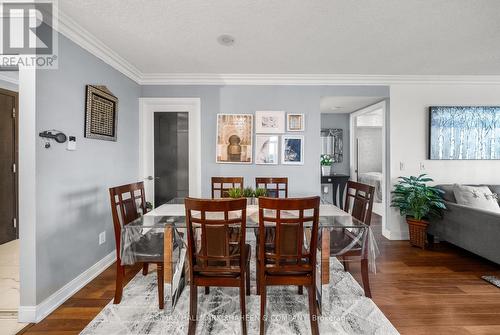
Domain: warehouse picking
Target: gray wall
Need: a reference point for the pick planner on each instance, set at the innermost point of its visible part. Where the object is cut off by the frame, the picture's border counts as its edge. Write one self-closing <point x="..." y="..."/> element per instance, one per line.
<point x="72" y="186"/>
<point x="303" y="180"/>
<point x="7" y="84"/>
<point x="340" y="121"/>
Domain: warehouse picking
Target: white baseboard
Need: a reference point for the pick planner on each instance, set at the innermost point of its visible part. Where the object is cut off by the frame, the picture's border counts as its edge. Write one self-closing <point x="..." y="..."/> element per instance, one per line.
<point x="35" y="314"/>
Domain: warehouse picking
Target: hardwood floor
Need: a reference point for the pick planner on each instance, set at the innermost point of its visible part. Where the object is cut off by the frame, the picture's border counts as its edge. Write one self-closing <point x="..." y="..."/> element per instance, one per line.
<point x="436" y="291"/>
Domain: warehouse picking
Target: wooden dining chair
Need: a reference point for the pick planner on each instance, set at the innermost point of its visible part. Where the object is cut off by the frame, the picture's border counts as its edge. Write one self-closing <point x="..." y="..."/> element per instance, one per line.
<point x="221" y="186"/>
<point x="290" y="260"/>
<point x="276" y="187"/>
<point x="359" y="203"/>
<point x="128" y="202"/>
<point x="218" y="255"/>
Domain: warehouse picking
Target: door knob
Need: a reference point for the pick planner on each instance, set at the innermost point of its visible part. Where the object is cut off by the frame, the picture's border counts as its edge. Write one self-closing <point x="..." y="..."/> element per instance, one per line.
<point x="152" y="178"/>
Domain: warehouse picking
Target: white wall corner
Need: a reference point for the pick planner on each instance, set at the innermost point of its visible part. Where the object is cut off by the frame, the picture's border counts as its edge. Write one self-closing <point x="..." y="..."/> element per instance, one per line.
<point x="35" y="314"/>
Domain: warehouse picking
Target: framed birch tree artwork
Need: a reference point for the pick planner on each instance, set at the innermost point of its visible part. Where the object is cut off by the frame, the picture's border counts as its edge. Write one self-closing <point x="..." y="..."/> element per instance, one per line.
<point x="464" y="132"/>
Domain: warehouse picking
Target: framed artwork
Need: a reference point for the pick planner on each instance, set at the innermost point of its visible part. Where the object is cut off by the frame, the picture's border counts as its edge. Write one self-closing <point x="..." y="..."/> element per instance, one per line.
<point x="266" y="149"/>
<point x="101" y="108"/>
<point x="464" y="132"/>
<point x="270" y="122"/>
<point x="234" y="138"/>
<point x="295" y="122"/>
<point x="292" y="150"/>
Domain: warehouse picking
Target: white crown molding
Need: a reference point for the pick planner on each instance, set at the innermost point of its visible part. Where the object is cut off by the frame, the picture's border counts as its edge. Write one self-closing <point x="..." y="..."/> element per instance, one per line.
<point x="309" y="79"/>
<point x="68" y="27"/>
<point x="9" y="79"/>
<point x="72" y="30"/>
<point x="35" y="314"/>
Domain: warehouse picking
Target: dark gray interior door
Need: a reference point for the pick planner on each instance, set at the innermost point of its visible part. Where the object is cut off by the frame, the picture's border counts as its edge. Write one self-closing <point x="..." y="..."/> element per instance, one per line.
<point x="171" y="154"/>
<point x="8" y="183"/>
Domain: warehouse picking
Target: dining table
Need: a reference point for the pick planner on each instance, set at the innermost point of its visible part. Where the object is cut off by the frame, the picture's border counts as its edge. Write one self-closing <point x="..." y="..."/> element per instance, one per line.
<point x="167" y="223"/>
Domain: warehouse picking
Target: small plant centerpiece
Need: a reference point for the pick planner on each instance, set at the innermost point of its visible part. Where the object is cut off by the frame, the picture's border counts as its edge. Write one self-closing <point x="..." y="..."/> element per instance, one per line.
<point x="326" y="165"/>
<point x="235" y="193"/>
<point x="259" y="192"/>
<point x="419" y="203"/>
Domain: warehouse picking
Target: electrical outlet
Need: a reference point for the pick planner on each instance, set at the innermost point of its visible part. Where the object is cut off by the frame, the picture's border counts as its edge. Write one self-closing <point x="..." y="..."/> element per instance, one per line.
<point x="102" y="237"/>
<point x="401" y="166"/>
<point x="422" y="166"/>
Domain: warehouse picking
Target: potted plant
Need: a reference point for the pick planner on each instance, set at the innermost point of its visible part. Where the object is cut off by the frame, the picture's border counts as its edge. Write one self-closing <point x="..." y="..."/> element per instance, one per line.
<point x="419" y="203"/>
<point x="249" y="193"/>
<point x="259" y="192"/>
<point x="235" y="193"/>
<point x="326" y="165"/>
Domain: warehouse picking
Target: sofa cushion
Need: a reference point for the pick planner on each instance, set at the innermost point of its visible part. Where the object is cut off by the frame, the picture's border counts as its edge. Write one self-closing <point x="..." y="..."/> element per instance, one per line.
<point x="448" y="194"/>
<point x="479" y="197"/>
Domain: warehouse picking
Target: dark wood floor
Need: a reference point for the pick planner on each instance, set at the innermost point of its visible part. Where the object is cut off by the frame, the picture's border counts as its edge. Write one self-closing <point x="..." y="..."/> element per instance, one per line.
<point x="436" y="291"/>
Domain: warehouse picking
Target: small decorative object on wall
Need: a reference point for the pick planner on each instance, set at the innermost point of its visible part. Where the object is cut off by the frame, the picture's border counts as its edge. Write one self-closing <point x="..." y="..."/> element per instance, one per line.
<point x="295" y="122"/>
<point x="293" y="150"/>
<point x="234" y="138"/>
<point x="332" y="144"/>
<point x="266" y="149"/>
<point x="326" y="165"/>
<point x="464" y="132"/>
<point x="270" y="122"/>
<point x="101" y="108"/>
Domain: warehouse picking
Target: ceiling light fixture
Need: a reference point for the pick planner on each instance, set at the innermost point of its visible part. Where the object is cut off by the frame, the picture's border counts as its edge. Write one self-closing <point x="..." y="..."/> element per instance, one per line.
<point x="226" y="40"/>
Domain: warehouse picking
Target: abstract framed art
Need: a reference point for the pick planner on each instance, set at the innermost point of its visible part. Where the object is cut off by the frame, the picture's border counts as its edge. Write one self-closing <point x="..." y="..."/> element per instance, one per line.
<point x="101" y="109"/>
<point x="266" y="149"/>
<point x="464" y="132"/>
<point x="292" y="148"/>
<point x="234" y="138"/>
<point x="269" y="122"/>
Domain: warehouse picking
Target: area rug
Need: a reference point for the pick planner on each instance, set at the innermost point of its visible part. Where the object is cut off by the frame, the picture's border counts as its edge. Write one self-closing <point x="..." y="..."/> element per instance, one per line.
<point x="346" y="310"/>
<point x="494" y="280"/>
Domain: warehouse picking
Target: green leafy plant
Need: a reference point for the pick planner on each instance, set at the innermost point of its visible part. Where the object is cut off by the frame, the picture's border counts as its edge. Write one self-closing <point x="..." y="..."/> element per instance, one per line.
<point x="416" y="199"/>
<point x="326" y="160"/>
<point x="235" y="193"/>
<point x="260" y="192"/>
<point x="248" y="192"/>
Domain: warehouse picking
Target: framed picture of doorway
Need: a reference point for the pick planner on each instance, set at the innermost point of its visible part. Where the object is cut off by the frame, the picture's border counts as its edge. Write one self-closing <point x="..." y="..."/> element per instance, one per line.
<point x="234" y="138"/>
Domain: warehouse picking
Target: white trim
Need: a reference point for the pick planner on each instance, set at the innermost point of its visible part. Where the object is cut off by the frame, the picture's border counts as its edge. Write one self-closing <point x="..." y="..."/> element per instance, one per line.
<point x="9" y="79"/>
<point x="147" y="108"/>
<point x="39" y="312"/>
<point x="69" y="28"/>
<point x="309" y="79"/>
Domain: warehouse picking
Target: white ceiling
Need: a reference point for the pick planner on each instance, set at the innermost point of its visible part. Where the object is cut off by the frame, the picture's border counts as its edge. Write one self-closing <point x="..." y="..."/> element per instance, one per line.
<point x="346" y="104"/>
<point x="439" y="37"/>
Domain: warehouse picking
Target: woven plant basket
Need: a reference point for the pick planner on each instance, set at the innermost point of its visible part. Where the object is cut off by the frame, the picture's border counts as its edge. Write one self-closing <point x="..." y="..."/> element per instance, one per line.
<point x="418" y="232"/>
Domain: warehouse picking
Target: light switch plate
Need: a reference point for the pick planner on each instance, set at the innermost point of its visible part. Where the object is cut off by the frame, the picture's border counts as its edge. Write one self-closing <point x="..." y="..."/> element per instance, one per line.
<point x="102" y="237"/>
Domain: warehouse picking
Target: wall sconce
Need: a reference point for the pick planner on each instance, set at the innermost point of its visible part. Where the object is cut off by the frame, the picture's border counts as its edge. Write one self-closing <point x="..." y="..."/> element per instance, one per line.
<point x="56" y="135"/>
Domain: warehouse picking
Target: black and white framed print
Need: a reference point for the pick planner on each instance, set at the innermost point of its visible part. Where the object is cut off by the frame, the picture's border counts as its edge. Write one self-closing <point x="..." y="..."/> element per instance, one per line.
<point x="266" y="149"/>
<point x="292" y="149"/>
<point x="269" y="122"/>
<point x="295" y="122"/>
<point x="101" y="108"/>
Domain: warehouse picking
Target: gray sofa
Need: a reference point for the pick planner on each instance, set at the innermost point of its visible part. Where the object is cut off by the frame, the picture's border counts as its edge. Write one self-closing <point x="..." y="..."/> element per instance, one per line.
<point x="475" y="230"/>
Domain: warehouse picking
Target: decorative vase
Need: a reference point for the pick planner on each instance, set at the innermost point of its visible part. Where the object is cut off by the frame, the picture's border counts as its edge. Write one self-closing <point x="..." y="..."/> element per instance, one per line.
<point x="418" y="232"/>
<point x="326" y="170"/>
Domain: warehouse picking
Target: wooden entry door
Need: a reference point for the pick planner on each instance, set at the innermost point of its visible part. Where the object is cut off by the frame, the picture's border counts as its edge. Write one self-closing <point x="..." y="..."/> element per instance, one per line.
<point x="8" y="166"/>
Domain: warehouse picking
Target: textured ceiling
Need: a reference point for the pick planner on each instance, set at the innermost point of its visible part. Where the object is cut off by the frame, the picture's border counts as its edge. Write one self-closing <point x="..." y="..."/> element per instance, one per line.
<point x="298" y="37"/>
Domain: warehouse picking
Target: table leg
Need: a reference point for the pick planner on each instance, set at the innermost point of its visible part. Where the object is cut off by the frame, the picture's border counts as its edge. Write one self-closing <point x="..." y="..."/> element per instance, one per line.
<point x="167" y="254"/>
<point x="325" y="256"/>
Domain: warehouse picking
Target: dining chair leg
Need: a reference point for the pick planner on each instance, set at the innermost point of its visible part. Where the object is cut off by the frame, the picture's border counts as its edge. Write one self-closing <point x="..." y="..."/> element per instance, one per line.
<point x="145" y="268"/>
<point x="257" y="278"/>
<point x="366" y="278"/>
<point x="193" y="309"/>
<point x="301" y="290"/>
<point x="161" y="294"/>
<point x="247" y="278"/>
<point x="243" y="308"/>
<point x="207" y="289"/>
<point x="313" y="316"/>
<point x="345" y="263"/>
<point x="120" y="273"/>
<point x="263" y="298"/>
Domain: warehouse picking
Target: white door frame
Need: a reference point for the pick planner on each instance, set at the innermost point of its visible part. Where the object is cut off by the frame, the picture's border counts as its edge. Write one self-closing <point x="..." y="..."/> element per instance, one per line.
<point x="385" y="161"/>
<point x="147" y="108"/>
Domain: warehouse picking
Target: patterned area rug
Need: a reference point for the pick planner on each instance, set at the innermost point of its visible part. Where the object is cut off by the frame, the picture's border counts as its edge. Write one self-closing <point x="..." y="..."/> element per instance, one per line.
<point x="345" y="311"/>
<point x="494" y="280"/>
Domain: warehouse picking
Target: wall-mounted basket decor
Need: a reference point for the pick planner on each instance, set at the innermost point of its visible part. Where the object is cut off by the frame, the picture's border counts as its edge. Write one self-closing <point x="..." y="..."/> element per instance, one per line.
<point x="101" y="108"/>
